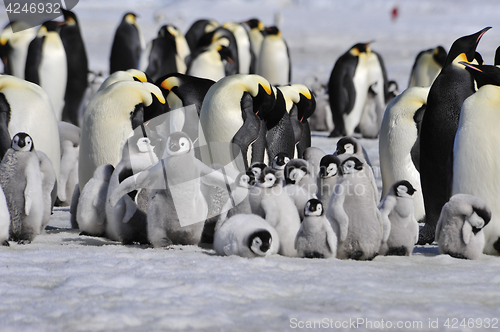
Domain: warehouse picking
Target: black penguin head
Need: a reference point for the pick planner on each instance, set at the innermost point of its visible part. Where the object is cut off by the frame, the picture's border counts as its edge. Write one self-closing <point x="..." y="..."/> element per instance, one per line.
<point x="273" y="31"/>
<point x="254" y="23"/>
<point x="246" y="180"/>
<point x="497" y="57"/>
<point x="483" y="74"/>
<point x="329" y="166"/>
<point x="225" y="53"/>
<point x="69" y="17"/>
<point x="351" y="165"/>
<point x="51" y="25"/>
<point x="178" y="143"/>
<point x="439" y="55"/>
<point x="269" y="178"/>
<point x="256" y="168"/>
<point x="280" y="160"/>
<point x="464" y="48"/>
<point x="360" y="48"/>
<point x="347" y="145"/>
<point x="22" y="142"/>
<point x="264" y="101"/>
<point x="483" y="213"/>
<point x="260" y="242"/>
<point x="295" y="170"/>
<point x="129" y="18"/>
<point x="314" y="207"/>
<point x="403" y="188"/>
<point x="306" y="105"/>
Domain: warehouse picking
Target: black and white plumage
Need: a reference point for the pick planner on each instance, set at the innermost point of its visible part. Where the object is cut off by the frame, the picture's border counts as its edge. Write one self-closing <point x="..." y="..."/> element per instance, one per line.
<point x="127" y="45"/>
<point x="327" y="178"/>
<point x="427" y="66"/>
<point x="49" y="178"/>
<point x="69" y="136"/>
<point x="315" y="238"/>
<point x="300" y="172"/>
<point x="4" y="220"/>
<point x="273" y="62"/>
<point x="459" y="230"/>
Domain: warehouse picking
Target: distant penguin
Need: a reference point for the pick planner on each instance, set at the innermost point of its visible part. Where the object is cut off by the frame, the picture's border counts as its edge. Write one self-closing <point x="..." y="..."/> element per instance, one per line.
<point x="231" y="113"/>
<point x="300" y="104"/>
<point x="70" y="148"/>
<point x="25" y="107"/>
<point x="246" y="57"/>
<point x="397" y="212"/>
<point x="399" y="143"/>
<point x="210" y="61"/>
<point x="46" y="65"/>
<point x="353" y="213"/>
<point x="4" y="220"/>
<point x="313" y="156"/>
<point x="78" y="68"/>
<point x="125" y="75"/>
<point x="351" y="145"/>
<point x="197" y="30"/>
<point x="257" y="33"/>
<point x="439" y="125"/>
<point x="476" y="164"/>
<point x="127" y="45"/>
<point x="109" y="119"/>
<point x="239" y="192"/>
<point x="48" y="184"/>
<point x="91" y="213"/>
<point x="16" y="47"/>
<point x="278" y="209"/>
<point x="21" y="181"/>
<point x="348" y="88"/>
<point x="280" y="161"/>
<point x="300" y="172"/>
<point x="274" y="62"/>
<point x="315" y="238"/>
<point x="427" y="66"/>
<point x="459" y="231"/>
<point x="246" y="235"/>
<point x="224" y="37"/>
<point x="327" y="178"/>
<point x="176" y="206"/>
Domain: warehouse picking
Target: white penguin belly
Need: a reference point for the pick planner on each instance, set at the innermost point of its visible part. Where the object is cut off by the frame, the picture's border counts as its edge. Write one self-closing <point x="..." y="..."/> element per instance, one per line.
<point x="352" y="119"/>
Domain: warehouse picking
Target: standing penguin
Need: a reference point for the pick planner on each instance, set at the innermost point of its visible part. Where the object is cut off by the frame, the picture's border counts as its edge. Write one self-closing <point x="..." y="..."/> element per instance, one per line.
<point x="313" y="156"/>
<point x="399" y="143"/>
<point x="427" y="66"/>
<point x="21" y="181"/>
<point x="78" y="68"/>
<point x="476" y="164"/>
<point x="353" y="213"/>
<point x="459" y="231"/>
<point x="246" y="57"/>
<point x="274" y="62"/>
<point x="439" y="125"/>
<point x="15" y="47"/>
<point x="127" y="45"/>
<point x="257" y="33"/>
<point x="315" y="238"/>
<point x="210" y="62"/>
<point x="350" y="145"/>
<point x="197" y="30"/>
<point x="327" y="178"/>
<point x="226" y="38"/>
<point x="109" y="119"/>
<point x="231" y="114"/>
<point x="46" y="65"/>
<point x="300" y="172"/>
<point x="397" y="209"/>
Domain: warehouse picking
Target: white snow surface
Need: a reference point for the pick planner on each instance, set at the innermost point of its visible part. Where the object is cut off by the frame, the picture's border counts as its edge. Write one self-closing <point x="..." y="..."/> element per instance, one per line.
<point x="67" y="282"/>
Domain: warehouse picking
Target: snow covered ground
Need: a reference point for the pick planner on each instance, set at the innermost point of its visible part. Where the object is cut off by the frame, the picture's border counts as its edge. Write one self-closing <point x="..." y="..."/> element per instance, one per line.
<point x="66" y="282"/>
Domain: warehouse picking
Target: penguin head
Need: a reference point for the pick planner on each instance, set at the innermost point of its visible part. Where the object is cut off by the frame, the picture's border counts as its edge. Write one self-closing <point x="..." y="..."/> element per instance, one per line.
<point x="260" y="242"/>
<point x="269" y="178"/>
<point x="313" y="207"/>
<point x="479" y="218"/>
<point x="464" y="48"/>
<point x="347" y="145"/>
<point x="307" y="103"/>
<point x="270" y="31"/>
<point x="280" y="160"/>
<point x="403" y="189"/>
<point x="484" y="74"/>
<point x="439" y="55"/>
<point x="295" y="170"/>
<point x="22" y="142"/>
<point x="263" y="96"/>
<point x="256" y="168"/>
<point x="351" y="165"/>
<point x="254" y="23"/>
<point x="69" y="17"/>
<point x="51" y="25"/>
<point x="329" y="166"/>
<point x="359" y="48"/>
<point x="246" y="180"/>
<point x="178" y="143"/>
<point x="129" y="18"/>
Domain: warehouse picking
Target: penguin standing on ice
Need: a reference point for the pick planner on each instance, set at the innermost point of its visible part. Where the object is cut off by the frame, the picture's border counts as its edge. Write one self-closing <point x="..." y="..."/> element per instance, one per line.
<point x="427" y="66"/>
<point x="197" y="30"/>
<point x="226" y="38"/>
<point x="327" y="178"/>
<point x="274" y="62"/>
<point x="14" y="47"/>
<point x="127" y="45"/>
<point x="78" y="68"/>
<point x="246" y="57"/>
<point x="257" y="33"/>
<point x="476" y="162"/>
<point x="439" y="126"/>
<point x="46" y="65"/>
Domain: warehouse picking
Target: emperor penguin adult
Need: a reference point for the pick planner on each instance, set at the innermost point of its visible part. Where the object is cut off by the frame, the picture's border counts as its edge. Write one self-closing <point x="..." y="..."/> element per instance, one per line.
<point x="476" y="164"/>
<point x="217" y="36"/>
<point x="109" y="120"/>
<point x="257" y="33"/>
<point x="274" y="62"/>
<point x="210" y="62"/>
<point x="46" y="65"/>
<point x="25" y="107"/>
<point x="246" y="56"/>
<point x="197" y="30"/>
<point x="353" y="213"/>
<point x="439" y="126"/>
<point x="230" y="118"/>
<point x="21" y="181"/>
<point x="399" y="143"/>
<point x="300" y="104"/>
<point x="347" y="89"/>
<point x="16" y="47"/>
<point x="77" y="64"/>
<point x="427" y="66"/>
<point x="125" y="75"/>
<point x="460" y="228"/>
<point x="128" y="44"/>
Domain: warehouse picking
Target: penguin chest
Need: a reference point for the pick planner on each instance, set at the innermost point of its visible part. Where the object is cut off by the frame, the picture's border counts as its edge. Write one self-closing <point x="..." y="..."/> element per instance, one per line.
<point x="361" y="85"/>
<point x="208" y="65"/>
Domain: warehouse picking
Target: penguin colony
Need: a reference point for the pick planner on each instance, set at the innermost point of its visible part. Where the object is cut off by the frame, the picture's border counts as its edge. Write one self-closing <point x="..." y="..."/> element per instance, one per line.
<point x="204" y="139"/>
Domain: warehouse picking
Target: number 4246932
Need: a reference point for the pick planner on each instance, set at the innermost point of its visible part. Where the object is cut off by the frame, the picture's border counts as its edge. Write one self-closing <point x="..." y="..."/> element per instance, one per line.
<point x="34" y="8"/>
<point x="485" y="323"/>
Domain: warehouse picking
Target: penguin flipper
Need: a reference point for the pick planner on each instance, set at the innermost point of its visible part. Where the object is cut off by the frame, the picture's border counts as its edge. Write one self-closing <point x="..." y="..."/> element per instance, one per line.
<point x="337" y="213"/>
<point x="385" y="209"/>
<point x="331" y="238"/>
<point x="247" y="134"/>
<point x="33" y="60"/>
<point x="466" y="232"/>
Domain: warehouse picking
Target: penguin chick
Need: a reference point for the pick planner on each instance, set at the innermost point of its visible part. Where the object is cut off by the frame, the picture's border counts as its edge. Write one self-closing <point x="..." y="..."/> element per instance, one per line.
<point x="313" y="156"/>
<point x="246" y="235"/>
<point x="400" y="225"/>
<point x="315" y="238"/>
<point x="69" y="138"/>
<point x="327" y="178"/>
<point x="239" y="202"/>
<point x="299" y="172"/>
<point x="459" y="230"/>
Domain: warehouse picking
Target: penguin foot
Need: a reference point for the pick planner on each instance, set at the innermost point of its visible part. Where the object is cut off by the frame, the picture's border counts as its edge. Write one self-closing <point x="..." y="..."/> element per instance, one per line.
<point x="314" y="254"/>
<point x="6" y="243"/>
<point x="162" y="243"/>
<point x="496" y="245"/>
<point x="426" y="235"/>
<point x="24" y="242"/>
<point x="397" y="251"/>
